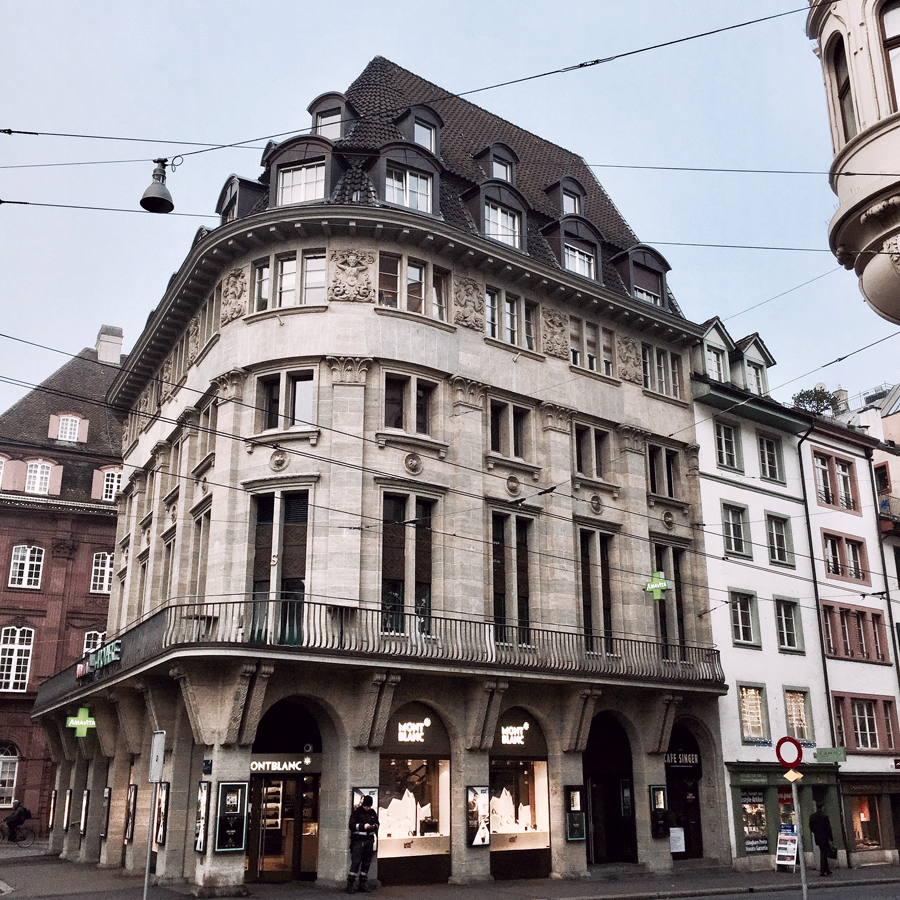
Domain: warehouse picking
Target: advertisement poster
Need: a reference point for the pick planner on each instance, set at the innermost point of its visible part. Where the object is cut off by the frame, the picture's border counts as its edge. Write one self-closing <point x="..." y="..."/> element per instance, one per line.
<point x="753" y="813"/>
<point x="104" y="814"/>
<point x="478" y="816"/>
<point x="161" y="814"/>
<point x="85" y="802"/>
<point x="676" y="840"/>
<point x="202" y="814"/>
<point x="130" y="812"/>
<point x="786" y="851"/>
<point x="67" y="809"/>
<point x="231" y="824"/>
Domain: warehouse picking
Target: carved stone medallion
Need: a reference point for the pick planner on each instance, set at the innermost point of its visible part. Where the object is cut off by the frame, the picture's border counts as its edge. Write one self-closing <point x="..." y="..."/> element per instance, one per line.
<point x="278" y="460"/>
<point x="352" y="278"/>
<point x="234" y="296"/>
<point x="468" y="303"/>
<point x="555" y="333"/>
<point x="413" y="463"/>
<point x="513" y="485"/>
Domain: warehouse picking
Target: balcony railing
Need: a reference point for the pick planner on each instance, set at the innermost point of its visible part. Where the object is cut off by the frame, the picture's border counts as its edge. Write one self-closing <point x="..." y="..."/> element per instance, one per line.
<point x="374" y="634"/>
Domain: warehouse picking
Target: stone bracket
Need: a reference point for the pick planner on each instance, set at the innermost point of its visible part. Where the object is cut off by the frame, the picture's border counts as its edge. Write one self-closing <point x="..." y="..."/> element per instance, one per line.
<point x="215" y="723"/>
<point x="666" y="709"/>
<point x="107" y="725"/>
<point x="67" y="741"/>
<point x="130" y="710"/>
<point x="376" y="710"/>
<point x="483" y="712"/>
<point x="255" y="700"/>
<point x="582" y="703"/>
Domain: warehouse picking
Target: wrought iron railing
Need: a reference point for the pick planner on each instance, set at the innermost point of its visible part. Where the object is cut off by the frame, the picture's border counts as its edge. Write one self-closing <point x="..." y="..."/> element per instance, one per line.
<point x="366" y="633"/>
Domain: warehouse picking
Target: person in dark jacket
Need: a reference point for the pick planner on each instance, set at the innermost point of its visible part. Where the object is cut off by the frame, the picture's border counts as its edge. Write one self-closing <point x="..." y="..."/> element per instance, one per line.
<point x="363" y="827"/>
<point x="820" y="826"/>
<point x="16" y="818"/>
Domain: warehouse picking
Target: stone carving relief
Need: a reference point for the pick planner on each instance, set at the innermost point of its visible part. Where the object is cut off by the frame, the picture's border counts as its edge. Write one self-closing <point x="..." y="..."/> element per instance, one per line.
<point x="556" y="418"/>
<point x="165" y="376"/>
<point x="628" y="351"/>
<point x="555" y="333"/>
<point x="881" y="210"/>
<point x="231" y="384"/>
<point x="65" y="549"/>
<point x="193" y="347"/>
<point x="234" y="296"/>
<point x="413" y="463"/>
<point x="349" y="369"/>
<point x="632" y="438"/>
<point x="468" y="303"/>
<point x="892" y="247"/>
<point x="278" y="460"/>
<point x="352" y="278"/>
<point x="467" y="392"/>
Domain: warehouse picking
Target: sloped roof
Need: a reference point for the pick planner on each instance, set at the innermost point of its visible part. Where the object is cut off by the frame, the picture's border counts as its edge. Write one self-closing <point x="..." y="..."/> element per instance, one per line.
<point x="79" y="386"/>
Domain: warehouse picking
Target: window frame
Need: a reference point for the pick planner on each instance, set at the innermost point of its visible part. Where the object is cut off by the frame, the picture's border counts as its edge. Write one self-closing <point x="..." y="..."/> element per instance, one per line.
<point x="112" y="484"/>
<point x="406" y="194"/>
<point x="663" y="471"/>
<point x="590" y="450"/>
<point x="102" y="572"/>
<point x="809" y="738"/>
<point x="72" y="423"/>
<point x="795" y="617"/>
<point x="745" y="539"/>
<point x="510" y="428"/>
<point x="93" y="640"/>
<point x="16" y="656"/>
<point x="661" y="368"/>
<point x="835" y="489"/>
<point x="844" y="641"/>
<point x="433" y="304"/>
<point x="288" y="168"/>
<point x="418" y="394"/>
<point x="33" y="562"/>
<point x="38" y="473"/>
<point x="789" y="559"/>
<point x="509" y="314"/>
<point x="514" y="223"/>
<point x="885" y="720"/>
<point x="845" y="566"/>
<point x="890" y="43"/>
<point x="718" y="356"/>
<point x="747" y="738"/>
<point x="281" y="409"/>
<point x="746" y="604"/>
<point x="516" y="597"/>
<point x="737" y="449"/>
<point x="778" y="453"/>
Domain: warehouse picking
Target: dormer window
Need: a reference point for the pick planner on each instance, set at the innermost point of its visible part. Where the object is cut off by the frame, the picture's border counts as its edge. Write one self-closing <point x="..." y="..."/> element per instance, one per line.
<point x="647" y="285"/>
<point x="501" y="169"/>
<point x="328" y="124"/>
<point x="407" y="188"/>
<point x="571" y="203"/>
<point x="68" y="428"/>
<point x="424" y="134"/>
<point x="756" y="378"/>
<point x="502" y="224"/>
<point x="37" y="477"/>
<point x="579" y="261"/>
<point x="300" y="184"/>
<point x="715" y="363"/>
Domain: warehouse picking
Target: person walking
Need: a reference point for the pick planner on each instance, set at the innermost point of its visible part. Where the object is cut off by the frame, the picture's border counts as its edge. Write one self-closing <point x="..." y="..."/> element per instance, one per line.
<point x="363" y="827"/>
<point x="820" y="826"/>
<point x="16" y="818"/>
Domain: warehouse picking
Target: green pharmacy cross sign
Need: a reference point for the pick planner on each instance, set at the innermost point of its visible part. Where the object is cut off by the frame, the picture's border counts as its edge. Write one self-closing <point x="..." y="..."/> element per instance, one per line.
<point x="658" y="585"/>
<point x="81" y="722"/>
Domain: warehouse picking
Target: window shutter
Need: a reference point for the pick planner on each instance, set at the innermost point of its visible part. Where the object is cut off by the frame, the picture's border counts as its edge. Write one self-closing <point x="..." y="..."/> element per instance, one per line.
<point x="53" y="431"/>
<point x="293" y="551"/>
<point x="97" y="485"/>
<point x="55" y="481"/>
<point x="14" y="472"/>
<point x="83" y="430"/>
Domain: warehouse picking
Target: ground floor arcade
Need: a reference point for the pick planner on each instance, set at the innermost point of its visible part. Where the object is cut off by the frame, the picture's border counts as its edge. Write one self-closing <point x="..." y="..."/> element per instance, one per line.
<point x="473" y="777"/>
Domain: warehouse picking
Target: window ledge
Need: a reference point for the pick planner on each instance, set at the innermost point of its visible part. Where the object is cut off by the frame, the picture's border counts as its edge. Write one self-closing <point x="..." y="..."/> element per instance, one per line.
<point x="580" y="482"/>
<point x="204" y="465"/>
<point x="859" y="659"/>
<point x="413" y="441"/>
<point x="517" y="465"/>
<point x="285" y="311"/>
<point x="421" y="318"/>
<point x="172" y="495"/>
<point x="661" y="500"/>
<point x="792" y="651"/>
<point x="206" y="349"/>
<point x="779" y="481"/>
<point x="146" y="521"/>
<point x="746" y="645"/>
<point x="301" y="433"/>
<point x="734" y="554"/>
<point x="590" y="373"/>
<point x="675" y="401"/>
<point x="514" y="348"/>
<point x="735" y="470"/>
<point x="781" y="564"/>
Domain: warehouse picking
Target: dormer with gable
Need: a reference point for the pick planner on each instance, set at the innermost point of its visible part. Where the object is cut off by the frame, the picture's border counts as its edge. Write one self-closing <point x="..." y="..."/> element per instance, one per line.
<point x="332" y="116"/>
<point x="750" y="361"/>
<point x="712" y="355"/>
<point x="643" y="271"/>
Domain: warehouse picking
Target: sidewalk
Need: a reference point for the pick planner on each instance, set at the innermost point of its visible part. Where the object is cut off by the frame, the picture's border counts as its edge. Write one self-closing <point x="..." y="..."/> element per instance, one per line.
<point x="28" y="873"/>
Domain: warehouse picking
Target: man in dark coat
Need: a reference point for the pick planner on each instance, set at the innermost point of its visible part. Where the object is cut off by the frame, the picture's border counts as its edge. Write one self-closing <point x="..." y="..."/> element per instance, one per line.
<point x="363" y="827"/>
<point x="16" y="818"/>
<point x="820" y="826"/>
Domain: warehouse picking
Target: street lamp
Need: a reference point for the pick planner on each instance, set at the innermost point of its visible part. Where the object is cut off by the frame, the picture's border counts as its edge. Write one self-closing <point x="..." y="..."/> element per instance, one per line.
<point x="157" y="198"/>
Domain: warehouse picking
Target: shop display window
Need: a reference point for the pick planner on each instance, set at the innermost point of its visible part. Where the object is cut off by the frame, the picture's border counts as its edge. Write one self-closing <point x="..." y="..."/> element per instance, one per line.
<point x="519" y="798"/>
<point x="753" y="813"/>
<point x="414" y="798"/>
<point x="866" y="830"/>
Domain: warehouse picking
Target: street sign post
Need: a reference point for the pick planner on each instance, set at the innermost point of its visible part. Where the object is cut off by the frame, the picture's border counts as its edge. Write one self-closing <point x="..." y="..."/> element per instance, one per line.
<point x="155" y="776"/>
<point x="790" y="755"/>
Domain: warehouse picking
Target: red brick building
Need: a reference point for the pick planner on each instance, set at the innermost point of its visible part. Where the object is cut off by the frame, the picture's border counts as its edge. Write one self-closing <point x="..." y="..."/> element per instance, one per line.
<point x="60" y="471"/>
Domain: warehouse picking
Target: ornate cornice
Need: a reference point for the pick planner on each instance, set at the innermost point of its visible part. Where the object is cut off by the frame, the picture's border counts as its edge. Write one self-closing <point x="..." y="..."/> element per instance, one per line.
<point x="349" y="369"/>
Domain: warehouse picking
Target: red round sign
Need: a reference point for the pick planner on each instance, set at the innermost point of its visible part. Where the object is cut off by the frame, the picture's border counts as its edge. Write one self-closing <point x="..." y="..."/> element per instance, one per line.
<point x="797" y="748"/>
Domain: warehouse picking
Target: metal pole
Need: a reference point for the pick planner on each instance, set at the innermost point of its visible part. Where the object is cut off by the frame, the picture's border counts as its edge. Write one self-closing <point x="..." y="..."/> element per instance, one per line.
<point x="150" y="842"/>
<point x="800" y="857"/>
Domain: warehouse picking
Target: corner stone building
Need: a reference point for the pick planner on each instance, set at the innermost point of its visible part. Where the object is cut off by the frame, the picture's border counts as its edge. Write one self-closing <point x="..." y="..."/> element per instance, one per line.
<point x="410" y="434"/>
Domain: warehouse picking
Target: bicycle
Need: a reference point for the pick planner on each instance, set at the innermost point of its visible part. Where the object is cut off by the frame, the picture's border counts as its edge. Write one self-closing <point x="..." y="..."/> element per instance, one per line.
<point x="24" y="835"/>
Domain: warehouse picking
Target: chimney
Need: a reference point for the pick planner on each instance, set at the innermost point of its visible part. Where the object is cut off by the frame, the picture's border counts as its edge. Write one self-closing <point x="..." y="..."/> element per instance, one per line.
<point x="841" y="397"/>
<point x="109" y="345"/>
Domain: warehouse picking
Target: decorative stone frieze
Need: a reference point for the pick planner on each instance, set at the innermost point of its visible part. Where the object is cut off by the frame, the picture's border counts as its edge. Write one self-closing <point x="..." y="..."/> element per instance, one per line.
<point x="352" y="276"/>
<point x="628" y="352"/>
<point x="349" y="369"/>
<point x="881" y="210"/>
<point x="189" y="417"/>
<point x="692" y="455"/>
<point x="467" y="392"/>
<point x="468" y="303"/>
<point x="556" y="418"/>
<point x="892" y="248"/>
<point x="632" y="438"/>
<point x="231" y="384"/>
<point x="193" y="348"/>
<point x="555" y="333"/>
<point x="234" y="296"/>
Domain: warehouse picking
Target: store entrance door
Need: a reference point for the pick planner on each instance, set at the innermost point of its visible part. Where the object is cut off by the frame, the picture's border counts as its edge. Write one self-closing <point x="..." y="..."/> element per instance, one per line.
<point x="683" y="774"/>
<point x="284" y="828"/>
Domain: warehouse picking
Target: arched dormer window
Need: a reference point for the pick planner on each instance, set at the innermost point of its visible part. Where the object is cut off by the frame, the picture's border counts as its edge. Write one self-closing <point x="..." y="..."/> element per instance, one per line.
<point x="332" y="115"/>
<point x="843" y="91"/>
<point x="500" y="212"/>
<point x="421" y="125"/>
<point x="303" y="169"/>
<point x="499" y="161"/>
<point x="890" y="29"/>
<point x="407" y="176"/>
<point x="569" y="195"/>
<point x="575" y="241"/>
<point x="68" y="427"/>
<point x="643" y="270"/>
<point x="239" y="198"/>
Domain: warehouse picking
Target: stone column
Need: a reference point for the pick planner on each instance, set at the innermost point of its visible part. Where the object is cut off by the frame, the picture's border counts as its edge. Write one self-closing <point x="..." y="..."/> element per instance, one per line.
<point x="77" y="783"/>
<point x="61" y="782"/>
<point x="96" y="782"/>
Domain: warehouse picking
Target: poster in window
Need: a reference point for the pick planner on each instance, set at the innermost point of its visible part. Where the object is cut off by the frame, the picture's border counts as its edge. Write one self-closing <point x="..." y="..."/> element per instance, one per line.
<point x="51" y="815"/>
<point x="161" y="813"/>
<point x="753" y="814"/>
<point x="231" y="822"/>
<point x="67" y="809"/>
<point x="104" y="812"/>
<point x="85" y="802"/>
<point x="478" y="816"/>
<point x="202" y="814"/>
<point x="130" y="812"/>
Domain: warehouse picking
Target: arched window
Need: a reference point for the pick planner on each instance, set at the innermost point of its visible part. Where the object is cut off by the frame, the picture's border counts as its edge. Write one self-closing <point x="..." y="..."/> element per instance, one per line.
<point x="890" y="24"/>
<point x="9" y="765"/>
<point x="844" y="93"/>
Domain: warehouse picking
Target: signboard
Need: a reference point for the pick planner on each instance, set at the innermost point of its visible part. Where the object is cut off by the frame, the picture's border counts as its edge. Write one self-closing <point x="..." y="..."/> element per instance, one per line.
<point x="676" y="840"/>
<point x="657" y="585"/>
<point x="81" y="722"/>
<point x="202" y="814"/>
<point x="789" y="752"/>
<point x="832" y="755"/>
<point x="786" y="851"/>
<point x="99" y="659"/>
<point x="231" y="822"/>
<point x="576" y="829"/>
<point x="478" y="816"/>
<point x="289" y="765"/>
<point x="157" y="756"/>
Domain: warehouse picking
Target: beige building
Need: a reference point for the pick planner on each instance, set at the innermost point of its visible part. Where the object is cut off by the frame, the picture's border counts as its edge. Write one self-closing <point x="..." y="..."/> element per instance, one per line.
<point x="858" y="42"/>
<point x="411" y="508"/>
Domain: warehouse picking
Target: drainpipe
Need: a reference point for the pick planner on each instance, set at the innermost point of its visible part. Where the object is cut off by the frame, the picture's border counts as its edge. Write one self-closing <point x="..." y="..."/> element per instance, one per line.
<point x="815" y="583"/>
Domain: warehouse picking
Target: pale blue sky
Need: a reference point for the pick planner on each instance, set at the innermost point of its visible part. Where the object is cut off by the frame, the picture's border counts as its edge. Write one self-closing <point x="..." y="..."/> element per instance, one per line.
<point x="228" y="71"/>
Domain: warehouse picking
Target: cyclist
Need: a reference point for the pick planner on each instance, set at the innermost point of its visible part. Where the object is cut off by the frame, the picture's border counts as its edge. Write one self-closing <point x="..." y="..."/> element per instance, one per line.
<point x="16" y="818"/>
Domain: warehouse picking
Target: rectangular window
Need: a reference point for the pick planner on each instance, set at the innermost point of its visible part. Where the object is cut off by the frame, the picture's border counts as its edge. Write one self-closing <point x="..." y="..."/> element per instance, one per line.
<point x="865" y="731"/>
<point x="407" y="188"/>
<point x="609" y="364"/>
<point x="261" y="286"/>
<point x="770" y="458"/>
<point x="502" y="224"/>
<point x="571" y="203"/>
<point x="394" y="401"/>
<point x="742" y="617"/>
<point x="727" y="442"/>
<point x="101" y="573"/>
<point x="403" y="284"/>
<point x="424" y="134"/>
<point x="735" y="530"/>
<point x="415" y="286"/>
<point x="795" y="704"/>
<point x="388" y="280"/>
<point x="15" y="658"/>
<point x="501" y="169"/>
<point x="37" y="478"/>
<point x="756" y="379"/>
<point x="93" y="640"/>
<point x="440" y="287"/>
<point x="112" y="483"/>
<point x="596" y="597"/>
<point x="753" y="718"/>
<point x="715" y="363"/>
<point x="302" y="395"/>
<point x="662" y="466"/>
<point x="313" y="290"/>
<point x="873" y="719"/>
<point x="835" y="482"/>
<point x="68" y="428"/>
<point x="328" y="124"/>
<point x="578" y="261"/>
<point x="510" y="430"/>
<point x="590" y="450"/>
<point x="301" y="184"/>
<point x="510" y="537"/>
<point x="27" y="567"/>
<point x="845" y="558"/>
<point x="787" y="623"/>
<point x="661" y="371"/>
<point x="510" y="318"/>
<point x="778" y="536"/>
<point x="271" y="402"/>
<point x="200" y="553"/>
<point x="287" y="280"/>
